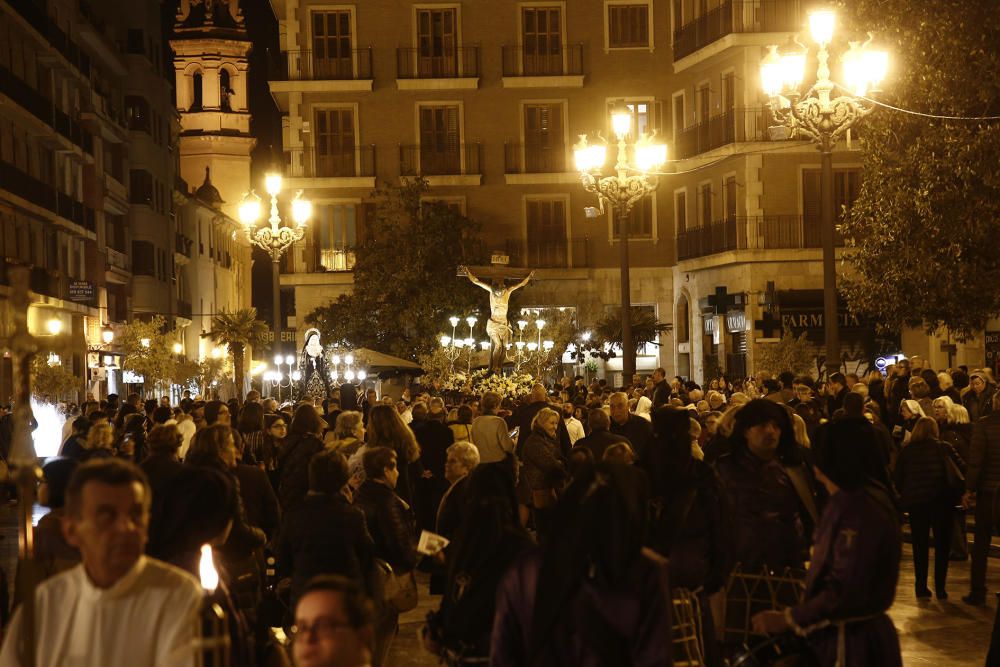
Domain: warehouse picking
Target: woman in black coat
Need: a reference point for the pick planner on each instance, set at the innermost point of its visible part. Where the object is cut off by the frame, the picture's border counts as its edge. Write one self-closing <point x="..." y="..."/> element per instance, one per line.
<point x="922" y="481"/>
<point x="305" y="438"/>
<point x="391" y="524"/>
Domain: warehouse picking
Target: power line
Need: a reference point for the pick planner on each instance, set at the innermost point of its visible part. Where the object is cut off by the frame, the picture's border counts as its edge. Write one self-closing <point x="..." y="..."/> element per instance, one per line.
<point x="916" y="113"/>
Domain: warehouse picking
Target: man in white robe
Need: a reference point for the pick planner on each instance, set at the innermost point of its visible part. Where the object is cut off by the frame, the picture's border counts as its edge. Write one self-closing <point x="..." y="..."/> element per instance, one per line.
<point x="118" y="607"/>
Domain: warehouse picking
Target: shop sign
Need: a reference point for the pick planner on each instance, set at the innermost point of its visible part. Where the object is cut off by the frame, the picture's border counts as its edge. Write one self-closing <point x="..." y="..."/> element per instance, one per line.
<point x="736" y="321"/>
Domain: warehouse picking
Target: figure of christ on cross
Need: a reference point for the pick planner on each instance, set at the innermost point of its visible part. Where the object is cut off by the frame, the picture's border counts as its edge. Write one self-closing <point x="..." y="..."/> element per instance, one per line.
<point x="497" y="327"/>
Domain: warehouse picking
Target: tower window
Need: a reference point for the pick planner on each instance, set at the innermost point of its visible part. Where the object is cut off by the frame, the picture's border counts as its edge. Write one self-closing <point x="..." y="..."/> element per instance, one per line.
<point x="225" y="90"/>
<point x="196" y="98"/>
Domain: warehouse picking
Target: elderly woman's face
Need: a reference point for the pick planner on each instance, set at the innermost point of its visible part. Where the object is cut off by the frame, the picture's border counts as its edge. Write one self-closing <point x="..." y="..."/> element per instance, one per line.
<point x="940" y="411"/>
<point x="550" y="424"/>
<point x="454" y="468"/>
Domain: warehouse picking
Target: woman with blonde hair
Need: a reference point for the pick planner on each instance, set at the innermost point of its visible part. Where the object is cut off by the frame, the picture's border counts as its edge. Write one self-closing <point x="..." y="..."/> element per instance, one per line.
<point x="387" y="429"/>
<point x="348" y="434"/>
<point x="100" y="442"/>
<point x="801" y="432"/>
<point x="926" y="493"/>
<point x="543" y="470"/>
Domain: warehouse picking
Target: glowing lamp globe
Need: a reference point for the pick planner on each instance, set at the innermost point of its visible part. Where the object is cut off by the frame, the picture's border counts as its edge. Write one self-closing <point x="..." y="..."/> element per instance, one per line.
<point x="272" y="183"/>
<point x="821" y="24"/>
<point x="621" y="123"/>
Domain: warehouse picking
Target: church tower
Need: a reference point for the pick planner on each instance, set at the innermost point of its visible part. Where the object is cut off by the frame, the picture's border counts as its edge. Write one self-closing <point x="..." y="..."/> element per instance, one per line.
<point x="211" y="47"/>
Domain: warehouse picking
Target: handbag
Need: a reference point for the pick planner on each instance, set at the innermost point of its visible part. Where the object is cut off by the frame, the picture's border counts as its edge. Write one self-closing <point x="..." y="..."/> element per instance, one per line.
<point x="953" y="478"/>
<point x="399" y="589"/>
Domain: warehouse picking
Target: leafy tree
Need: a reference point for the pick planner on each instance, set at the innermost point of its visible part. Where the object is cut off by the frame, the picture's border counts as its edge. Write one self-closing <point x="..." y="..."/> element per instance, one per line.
<point x="51" y="381"/>
<point x="922" y="231"/>
<point x="791" y="353"/>
<point x="237" y="329"/>
<point x="405" y="276"/>
<point x="154" y="361"/>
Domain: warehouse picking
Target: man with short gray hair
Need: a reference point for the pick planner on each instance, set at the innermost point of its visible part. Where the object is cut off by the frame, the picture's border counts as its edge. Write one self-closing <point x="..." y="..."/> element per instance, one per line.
<point x="637" y="430"/>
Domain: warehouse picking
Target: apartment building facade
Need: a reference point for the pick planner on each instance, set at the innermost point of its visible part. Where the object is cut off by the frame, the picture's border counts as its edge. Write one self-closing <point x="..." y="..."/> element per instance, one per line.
<point x="88" y="166"/>
<point x="485" y="100"/>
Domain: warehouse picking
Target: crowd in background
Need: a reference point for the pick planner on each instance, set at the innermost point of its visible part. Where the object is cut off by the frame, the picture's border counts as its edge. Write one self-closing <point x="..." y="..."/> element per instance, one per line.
<point x="574" y="515"/>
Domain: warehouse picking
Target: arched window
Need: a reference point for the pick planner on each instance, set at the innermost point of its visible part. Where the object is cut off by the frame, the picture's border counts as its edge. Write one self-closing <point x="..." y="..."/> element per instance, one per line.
<point x="225" y="91"/>
<point x="196" y="98"/>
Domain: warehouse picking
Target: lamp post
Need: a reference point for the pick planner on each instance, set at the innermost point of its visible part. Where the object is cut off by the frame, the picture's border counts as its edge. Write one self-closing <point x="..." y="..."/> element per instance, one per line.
<point x="823" y="119"/>
<point x="631" y="182"/>
<point x="275" y="239"/>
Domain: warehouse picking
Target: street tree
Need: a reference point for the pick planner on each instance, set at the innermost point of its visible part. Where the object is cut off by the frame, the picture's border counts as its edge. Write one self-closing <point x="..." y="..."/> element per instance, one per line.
<point x="238" y="329"/>
<point x="922" y="231"/>
<point x="51" y="381"/>
<point x="790" y="353"/>
<point x="607" y="335"/>
<point x="146" y="351"/>
<point x="405" y="276"/>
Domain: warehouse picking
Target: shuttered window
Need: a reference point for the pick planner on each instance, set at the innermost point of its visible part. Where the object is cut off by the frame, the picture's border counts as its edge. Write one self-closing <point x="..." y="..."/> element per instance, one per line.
<point x="546" y="227"/>
<point x="541" y="36"/>
<point x="335" y="142"/>
<point x="628" y="26"/>
<point x="640" y="220"/>
<point x="846" y="184"/>
<point x="437" y="42"/>
<point x="544" y="143"/>
<point x="440" y="143"/>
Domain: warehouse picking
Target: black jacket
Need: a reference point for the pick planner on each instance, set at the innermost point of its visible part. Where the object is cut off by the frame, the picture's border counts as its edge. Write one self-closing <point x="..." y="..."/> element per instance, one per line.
<point x="598" y="441"/>
<point x="920" y="472"/>
<point x="639" y="433"/>
<point x="325" y="535"/>
<point x="984" y="455"/>
<point x="523" y="418"/>
<point x="661" y="394"/>
<point x="390" y="523"/>
<point x="979" y="405"/>
<point x="293" y="468"/>
<point x="689" y="525"/>
<point x="258" y="498"/>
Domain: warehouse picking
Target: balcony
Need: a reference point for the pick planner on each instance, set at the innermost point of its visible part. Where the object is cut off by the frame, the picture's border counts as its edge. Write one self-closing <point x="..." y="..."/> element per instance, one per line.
<point x="771" y="232"/>
<point x="313" y="258"/>
<point x="729" y="127"/>
<point x="183" y="245"/>
<point x="737" y="17"/>
<point x="184" y="309"/>
<point x="117" y="260"/>
<point x="345" y="168"/>
<point x="317" y="71"/>
<point x="449" y="68"/>
<point x="355" y="65"/>
<point x="527" y="68"/>
<point x="533" y="164"/>
<point x="48" y="282"/>
<point x="443" y="165"/>
<point x="42" y="108"/>
<point x="565" y="254"/>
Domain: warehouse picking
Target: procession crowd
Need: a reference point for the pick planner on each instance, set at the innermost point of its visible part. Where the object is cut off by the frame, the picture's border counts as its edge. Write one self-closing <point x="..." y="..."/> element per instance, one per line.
<point x="573" y="521"/>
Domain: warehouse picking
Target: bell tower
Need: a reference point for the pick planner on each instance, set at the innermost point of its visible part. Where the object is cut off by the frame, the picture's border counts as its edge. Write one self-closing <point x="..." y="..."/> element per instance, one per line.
<point x="211" y="47"/>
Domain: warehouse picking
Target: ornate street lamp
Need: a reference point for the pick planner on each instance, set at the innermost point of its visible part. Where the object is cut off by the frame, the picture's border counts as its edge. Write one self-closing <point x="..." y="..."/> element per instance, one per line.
<point x="631" y="182"/>
<point x="275" y="239"/>
<point x="824" y="119"/>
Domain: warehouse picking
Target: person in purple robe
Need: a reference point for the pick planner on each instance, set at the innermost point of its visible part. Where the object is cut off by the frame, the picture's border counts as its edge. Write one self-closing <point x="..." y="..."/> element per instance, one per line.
<point x="852" y="578"/>
<point x="592" y="596"/>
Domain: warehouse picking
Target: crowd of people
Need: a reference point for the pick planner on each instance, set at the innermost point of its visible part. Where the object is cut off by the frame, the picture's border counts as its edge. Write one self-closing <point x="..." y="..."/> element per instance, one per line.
<point x="573" y="518"/>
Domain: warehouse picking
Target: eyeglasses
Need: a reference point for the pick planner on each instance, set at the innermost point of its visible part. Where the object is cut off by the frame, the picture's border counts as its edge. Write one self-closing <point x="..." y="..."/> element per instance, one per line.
<point x="321" y="627"/>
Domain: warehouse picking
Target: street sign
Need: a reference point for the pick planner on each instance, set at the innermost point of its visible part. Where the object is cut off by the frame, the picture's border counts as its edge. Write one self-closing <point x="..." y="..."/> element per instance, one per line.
<point x="81" y="291"/>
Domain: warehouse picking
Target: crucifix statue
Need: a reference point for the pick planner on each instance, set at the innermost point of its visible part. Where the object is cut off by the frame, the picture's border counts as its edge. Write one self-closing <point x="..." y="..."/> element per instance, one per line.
<point x="498" y="329"/>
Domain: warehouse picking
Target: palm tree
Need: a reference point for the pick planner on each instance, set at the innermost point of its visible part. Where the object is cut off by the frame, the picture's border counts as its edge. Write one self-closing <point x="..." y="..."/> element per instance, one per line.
<point x="237" y="329"/>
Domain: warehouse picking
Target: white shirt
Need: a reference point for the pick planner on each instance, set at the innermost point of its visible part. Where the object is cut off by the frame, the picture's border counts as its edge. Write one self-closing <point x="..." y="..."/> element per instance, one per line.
<point x="187" y="429"/>
<point x="147" y="618"/>
<point x="575" y="428"/>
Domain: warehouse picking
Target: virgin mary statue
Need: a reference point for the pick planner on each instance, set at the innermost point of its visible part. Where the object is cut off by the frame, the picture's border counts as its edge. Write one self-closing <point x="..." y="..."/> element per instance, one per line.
<point x="312" y="361"/>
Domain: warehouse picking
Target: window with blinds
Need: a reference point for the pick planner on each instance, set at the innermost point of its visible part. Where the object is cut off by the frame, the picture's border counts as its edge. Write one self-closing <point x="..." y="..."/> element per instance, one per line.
<point x="437" y="42"/>
<point x="546" y="237"/>
<point x="846" y="185"/>
<point x="335" y="142"/>
<point x="680" y="211"/>
<point x="544" y="141"/>
<point x="704" y="204"/>
<point x="640" y="220"/>
<point x="628" y="26"/>
<point x="332" y="45"/>
<point x="440" y="143"/>
<point x="542" y="41"/>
